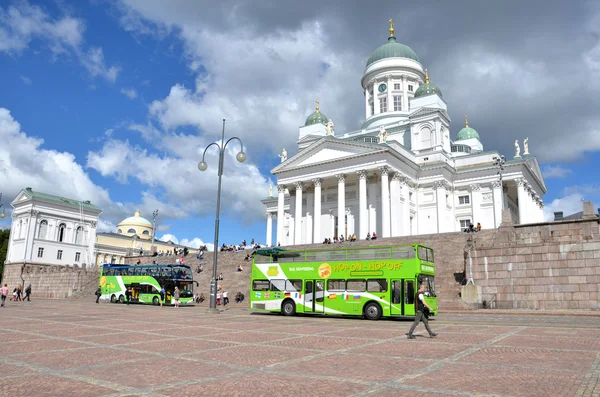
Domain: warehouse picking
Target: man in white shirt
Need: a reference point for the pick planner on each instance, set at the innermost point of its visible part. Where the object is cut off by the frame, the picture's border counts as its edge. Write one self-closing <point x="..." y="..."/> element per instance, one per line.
<point x="420" y="304"/>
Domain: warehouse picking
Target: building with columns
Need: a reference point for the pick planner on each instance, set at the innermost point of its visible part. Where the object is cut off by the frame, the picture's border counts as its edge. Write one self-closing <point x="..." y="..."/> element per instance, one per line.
<point x="400" y="173"/>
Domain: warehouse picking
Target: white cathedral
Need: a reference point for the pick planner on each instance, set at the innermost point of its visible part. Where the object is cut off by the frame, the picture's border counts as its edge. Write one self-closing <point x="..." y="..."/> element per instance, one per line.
<point x="400" y="174"/>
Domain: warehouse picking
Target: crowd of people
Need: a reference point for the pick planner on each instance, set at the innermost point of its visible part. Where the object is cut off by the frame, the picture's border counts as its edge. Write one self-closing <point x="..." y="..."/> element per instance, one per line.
<point x="350" y="238"/>
<point x="240" y="247"/>
<point x="18" y="293"/>
<point x="472" y="228"/>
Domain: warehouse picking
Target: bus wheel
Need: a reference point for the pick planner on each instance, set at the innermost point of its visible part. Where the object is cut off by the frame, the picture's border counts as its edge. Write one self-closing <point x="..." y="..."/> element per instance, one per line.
<point x="113" y="298"/>
<point x="155" y="301"/>
<point x="121" y="299"/>
<point x="372" y="311"/>
<point x="288" y="308"/>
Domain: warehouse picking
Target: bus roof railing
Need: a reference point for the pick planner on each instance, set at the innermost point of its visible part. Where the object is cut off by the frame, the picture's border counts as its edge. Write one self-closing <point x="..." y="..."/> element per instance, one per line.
<point x="336" y="254"/>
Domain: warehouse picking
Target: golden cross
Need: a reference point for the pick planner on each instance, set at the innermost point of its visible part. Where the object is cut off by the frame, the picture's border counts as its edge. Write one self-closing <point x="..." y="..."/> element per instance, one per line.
<point x="391" y="27"/>
<point x="466" y="120"/>
<point x="317" y="102"/>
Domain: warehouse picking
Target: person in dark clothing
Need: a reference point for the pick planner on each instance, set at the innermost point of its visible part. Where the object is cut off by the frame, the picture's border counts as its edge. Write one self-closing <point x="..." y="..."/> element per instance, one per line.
<point x="420" y="316"/>
<point x="98" y="294"/>
<point x="27" y="293"/>
<point x="128" y="295"/>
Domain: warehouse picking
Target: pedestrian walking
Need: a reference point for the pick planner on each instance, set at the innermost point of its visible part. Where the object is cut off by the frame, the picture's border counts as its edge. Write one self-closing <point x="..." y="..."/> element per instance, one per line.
<point x="225" y="298"/>
<point x="98" y="294"/>
<point x="27" y="293"/>
<point x="128" y="295"/>
<point x="162" y="296"/>
<point x="4" y="293"/>
<point x="176" y="296"/>
<point x="420" y="316"/>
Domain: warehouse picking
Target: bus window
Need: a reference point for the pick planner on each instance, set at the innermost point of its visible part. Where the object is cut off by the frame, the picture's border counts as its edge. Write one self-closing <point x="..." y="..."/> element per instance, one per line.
<point x="429" y="283"/>
<point x="377" y="285"/>
<point x="260" y="285"/>
<point x="336" y="285"/>
<point x="410" y="292"/>
<point x="425" y="254"/>
<point x="357" y="285"/>
<point x="277" y="285"/>
<point x="403" y="253"/>
<point x="293" y="285"/>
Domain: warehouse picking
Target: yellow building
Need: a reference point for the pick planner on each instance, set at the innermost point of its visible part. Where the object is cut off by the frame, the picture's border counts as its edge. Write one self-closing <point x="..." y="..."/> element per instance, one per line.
<point x="133" y="238"/>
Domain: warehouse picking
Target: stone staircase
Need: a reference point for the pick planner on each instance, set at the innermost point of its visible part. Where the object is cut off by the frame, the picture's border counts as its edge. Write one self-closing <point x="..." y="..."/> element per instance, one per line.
<point x="449" y="250"/>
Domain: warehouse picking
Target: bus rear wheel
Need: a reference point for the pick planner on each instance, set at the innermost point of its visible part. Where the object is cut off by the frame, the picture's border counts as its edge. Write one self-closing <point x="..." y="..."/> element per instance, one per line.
<point x="372" y="311"/>
<point x="155" y="301"/>
<point x="288" y="308"/>
<point x="113" y="298"/>
<point x="121" y="299"/>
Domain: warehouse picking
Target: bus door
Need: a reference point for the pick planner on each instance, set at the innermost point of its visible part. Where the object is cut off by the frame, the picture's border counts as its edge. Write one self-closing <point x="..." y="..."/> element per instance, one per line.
<point x="397" y="303"/>
<point x="409" y="298"/>
<point x="314" y="296"/>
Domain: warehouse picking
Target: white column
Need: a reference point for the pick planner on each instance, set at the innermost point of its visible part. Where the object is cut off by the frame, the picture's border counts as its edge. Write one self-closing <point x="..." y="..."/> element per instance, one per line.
<point x="269" y="240"/>
<point x="280" y="214"/>
<point x="498" y="197"/>
<point x="476" y="204"/>
<point x="307" y="228"/>
<point x="375" y="98"/>
<point x="385" y="203"/>
<point x="298" y="216"/>
<point x="341" y="209"/>
<point x="405" y="207"/>
<point x="371" y="205"/>
<point x="390" y="103"/>
<point x="395" y="205"/>
<point x="405" y="106"/>
<point x="362" y="205"/>
<point x="317" y="215"/>
<point x="367" y="106"/>
<point x="440" y="197"/>
<point x="522" y="199"/>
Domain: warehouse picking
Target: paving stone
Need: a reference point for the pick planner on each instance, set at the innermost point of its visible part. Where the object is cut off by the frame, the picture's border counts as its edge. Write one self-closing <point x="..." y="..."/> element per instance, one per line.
<point x="51" y="386"/>
<point x="67" y="359"/>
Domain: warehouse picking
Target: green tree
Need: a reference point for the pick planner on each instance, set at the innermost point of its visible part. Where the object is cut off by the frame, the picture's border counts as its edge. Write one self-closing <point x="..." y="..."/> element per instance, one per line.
<point x="4" y="235"/>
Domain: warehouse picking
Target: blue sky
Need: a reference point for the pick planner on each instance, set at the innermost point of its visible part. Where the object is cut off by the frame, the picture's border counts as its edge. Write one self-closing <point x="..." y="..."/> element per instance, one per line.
<point x="115" y="101"/>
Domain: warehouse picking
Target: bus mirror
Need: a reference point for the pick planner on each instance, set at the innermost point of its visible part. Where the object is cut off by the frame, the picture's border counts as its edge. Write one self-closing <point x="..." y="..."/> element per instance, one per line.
<point x="196" y="283"/>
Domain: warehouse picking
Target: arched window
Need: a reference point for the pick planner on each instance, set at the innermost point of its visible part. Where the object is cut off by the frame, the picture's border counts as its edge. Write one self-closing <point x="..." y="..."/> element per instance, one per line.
<point x="131" y="231"/>
<point x="119" y="231"/>
<point x="43" y="231"/>
<point x="19" y="229"/>
<point x="62" y="232"/>
<point x="425" y="138"/>
<point x="146" y="233"/>
<point x="79" y="235"/>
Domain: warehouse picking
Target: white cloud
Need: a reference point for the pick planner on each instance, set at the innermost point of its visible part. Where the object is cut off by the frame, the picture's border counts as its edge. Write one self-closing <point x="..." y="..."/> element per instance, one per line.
<point x="555" y="171"/>
<point x="193" y="243"/>
<point x="26" y="80"/>
<point x="568" y="204"/>
<point x="105" y="226"/>
<point x="22" y="23"/>
<point x="25" y="163"/>
<point x="129" y="93"/>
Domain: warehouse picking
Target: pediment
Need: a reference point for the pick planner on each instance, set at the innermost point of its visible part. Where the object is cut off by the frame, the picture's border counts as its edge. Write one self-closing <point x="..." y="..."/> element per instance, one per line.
<point x="22" y="196"/>
<point x="327" y="150"/>
<point x="535" y="169"/>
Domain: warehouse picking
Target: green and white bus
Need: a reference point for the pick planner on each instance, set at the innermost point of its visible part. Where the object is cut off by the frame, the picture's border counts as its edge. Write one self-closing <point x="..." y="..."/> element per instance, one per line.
<point x="356" y="281"/>
<point x="146" y="282"/>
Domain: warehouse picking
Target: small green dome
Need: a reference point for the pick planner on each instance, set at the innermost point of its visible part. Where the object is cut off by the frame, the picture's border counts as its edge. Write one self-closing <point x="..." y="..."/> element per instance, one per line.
<point x="316" y="117"/>
<point x="427" y="88"/>
<point x="467" y="132"/>
<point x="392" y="49"/>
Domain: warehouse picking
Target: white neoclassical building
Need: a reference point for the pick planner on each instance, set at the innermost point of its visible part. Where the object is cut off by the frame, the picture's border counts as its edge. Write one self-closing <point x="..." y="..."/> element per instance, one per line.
<point x="52" y="230"/>
<point x="401" y="173"/>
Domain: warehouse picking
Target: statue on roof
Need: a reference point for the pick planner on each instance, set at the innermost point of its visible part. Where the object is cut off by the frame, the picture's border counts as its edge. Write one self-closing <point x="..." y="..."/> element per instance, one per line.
<point x="517" y="149"/>
<point x="526" y="147"/>
<point x="283" y="155"/>
<point x="383" y="134"/>
<point x="329" y="127"/>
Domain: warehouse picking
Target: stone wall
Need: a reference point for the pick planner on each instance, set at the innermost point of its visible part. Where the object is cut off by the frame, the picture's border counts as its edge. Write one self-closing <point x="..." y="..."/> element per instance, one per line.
<point x="52" y="281"/>
<point x="543" y="266"/>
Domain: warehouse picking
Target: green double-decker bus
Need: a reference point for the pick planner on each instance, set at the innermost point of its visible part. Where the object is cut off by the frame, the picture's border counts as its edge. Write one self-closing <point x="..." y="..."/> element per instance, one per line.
<point x="373" y="282"/>
<point x="146" y="282"/>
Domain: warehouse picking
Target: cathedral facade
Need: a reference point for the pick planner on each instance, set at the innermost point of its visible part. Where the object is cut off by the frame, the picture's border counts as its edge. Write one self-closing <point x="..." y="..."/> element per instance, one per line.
<point x="401" y="173"/>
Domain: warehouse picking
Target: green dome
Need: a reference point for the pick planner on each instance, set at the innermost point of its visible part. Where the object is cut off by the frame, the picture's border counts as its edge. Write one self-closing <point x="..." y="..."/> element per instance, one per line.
<point x="315" y="118"/>
<point x="392" y="49"/>
<point x="428" y="88"/>
<point x="467" y="132"/>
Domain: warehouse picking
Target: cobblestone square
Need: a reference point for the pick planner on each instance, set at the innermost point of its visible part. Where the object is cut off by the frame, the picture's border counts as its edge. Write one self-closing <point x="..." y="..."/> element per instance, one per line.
<point x="75" y="347"/>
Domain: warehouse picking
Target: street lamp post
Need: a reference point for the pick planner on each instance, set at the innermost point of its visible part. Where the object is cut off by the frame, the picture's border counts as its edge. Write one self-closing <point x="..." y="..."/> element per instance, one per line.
<point x="2" y="214"/>
<point x="202" y="166"/>
<point x="154" y="215"/>
<point x="499" y="162"/>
